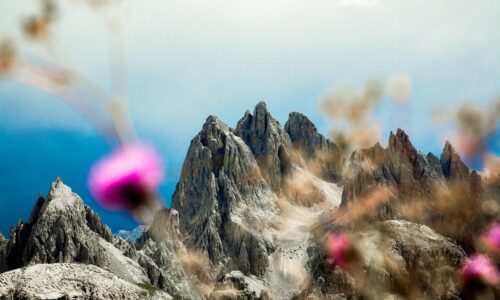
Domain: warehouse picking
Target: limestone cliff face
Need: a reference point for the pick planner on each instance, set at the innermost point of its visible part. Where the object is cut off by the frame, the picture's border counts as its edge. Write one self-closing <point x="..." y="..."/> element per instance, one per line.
<point x="3" y="254"/>
<point x="400" y="167"/>
<point x="268" y="142"/>
<point x="62" y="229"/>
<point x="230" y="178"/>
<point x="71" y="281"/>
<point x="160" y="252"/>
<point x="409" y="172"/>
<point x="403" y="261"/>
<point x="456" y="172"/>
<point x="323" y="154"/>
<point x="246" y="215"/>
<point x="223" y="199"/>
<point x="446" y="192"/>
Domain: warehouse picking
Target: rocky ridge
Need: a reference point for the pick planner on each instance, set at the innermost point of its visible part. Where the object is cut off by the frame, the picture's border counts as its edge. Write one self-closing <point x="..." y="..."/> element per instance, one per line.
<point x="407" y="261"/>
<point x="433" y="187"/>
<point x="71" y="281"/>
<point x="245" y="219"/>
<point x="62" y="229"/>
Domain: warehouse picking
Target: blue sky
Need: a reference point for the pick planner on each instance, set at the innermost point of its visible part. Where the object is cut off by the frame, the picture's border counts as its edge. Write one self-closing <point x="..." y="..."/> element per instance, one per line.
<point x="189" y="59"/>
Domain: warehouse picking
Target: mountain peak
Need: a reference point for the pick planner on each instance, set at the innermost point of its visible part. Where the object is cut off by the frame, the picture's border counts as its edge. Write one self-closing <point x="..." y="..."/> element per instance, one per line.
<point x="448" y="149"/>
<point x="323" y="153"/>
<point x="400" y="138"/>
<point x="452" y="165"/>
<point x="214" y="122"/>
<point x="299" y="123"/>
<point x="400" y="145"/>
<point x="264" y="136"/>
<point x="58" y="190"/>
<point x="261" y="106"/>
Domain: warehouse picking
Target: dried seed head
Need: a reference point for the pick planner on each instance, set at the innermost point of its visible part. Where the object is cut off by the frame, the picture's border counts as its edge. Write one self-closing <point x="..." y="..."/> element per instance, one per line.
<point x="399" y="87"/>
<point x="7" y="57"/>
<point x="36" y="27"/>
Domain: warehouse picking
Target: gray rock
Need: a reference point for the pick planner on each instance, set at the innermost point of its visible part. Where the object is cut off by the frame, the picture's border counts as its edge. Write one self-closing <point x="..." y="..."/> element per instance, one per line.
<point x="400" y="167"/>
<point x="448" y="193"/>
<point x="71" y="281"/>
<point x="3" y="253"/>
<point x="267" y="140"/>
<point x="456" y="172"/>
<point x="246" y="222"/>
<point x="236" y="286"/>
<point x="224" y="203"/>
<point x="314" y="147"/>
<point x="452" y="165"/>
<point x="435" y="163"/>
<point x="160" y="253"/>
<point x="62" y="229"/>
<point x="401" y="260"/>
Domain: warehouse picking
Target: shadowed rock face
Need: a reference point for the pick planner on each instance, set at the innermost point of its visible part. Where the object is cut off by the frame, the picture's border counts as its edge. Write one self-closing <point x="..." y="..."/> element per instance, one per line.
<point x="3" y="253"/>
<point x="267" y="140"/>
<point x="220" y="191"/>
<point x="159" y="252"/>
<point x="445" y="189"/>
<point x="225" y="196"/>
<point x="402" y="260"/>
<point x="314" y="147"/>
<point x="63" y="229"/>
<point x="246" y="220"/>
<point x="399" y="166"/>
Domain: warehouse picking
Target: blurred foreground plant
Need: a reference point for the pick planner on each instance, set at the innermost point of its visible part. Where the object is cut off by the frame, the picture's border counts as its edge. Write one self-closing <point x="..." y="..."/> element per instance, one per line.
<point x="128" y="178"/>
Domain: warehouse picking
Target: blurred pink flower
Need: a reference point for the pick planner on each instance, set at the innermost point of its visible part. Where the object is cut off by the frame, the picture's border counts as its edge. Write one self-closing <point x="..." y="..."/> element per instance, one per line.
<point x="127" y="179"/>
<point x="480" y="268"/>
<point x="491" y="237"/>
<point x="342" y="252"/>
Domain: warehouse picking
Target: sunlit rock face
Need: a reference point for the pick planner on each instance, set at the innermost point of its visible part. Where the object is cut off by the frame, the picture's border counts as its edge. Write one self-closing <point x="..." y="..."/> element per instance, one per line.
<point x="71" y="281"/>
<point x="250" y="199"/>
<point x="223" y="200"/>
<point x="230" y="179"/>
<point x="268" y="142"/>
<point x="62" y="229"/>
<point x="402" y="260"/>
<point x="160" y="252"/>
<point x="442" y="193"/>
<point x="321" y="153"/>
<point x="249" y="218"/>
<point x="399" y="166"/>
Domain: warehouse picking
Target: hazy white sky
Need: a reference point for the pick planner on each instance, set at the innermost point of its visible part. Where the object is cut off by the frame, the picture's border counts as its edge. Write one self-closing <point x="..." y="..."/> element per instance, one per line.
<point x="189" y="59"/>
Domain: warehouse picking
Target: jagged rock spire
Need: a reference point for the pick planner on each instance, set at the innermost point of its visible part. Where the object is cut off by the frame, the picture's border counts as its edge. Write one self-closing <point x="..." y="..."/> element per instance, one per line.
<point x="267" y="140"/>
<point x="401" y="145"/>
<point x="3" y="253"/>
<point x="63" y="229"/>
<point x="314" y="146"/>
<point x="451" y="163"/>
<point x="398" y="166"/>
<point x="219" y="176"/>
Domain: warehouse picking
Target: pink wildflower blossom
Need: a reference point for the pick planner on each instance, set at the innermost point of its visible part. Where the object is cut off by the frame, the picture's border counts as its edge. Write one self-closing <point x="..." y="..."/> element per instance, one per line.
<point x="342" y="251"/>
<point x="127" y="179"/>
<point x="491" y="238"/>
<point x="479" y="268"/>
